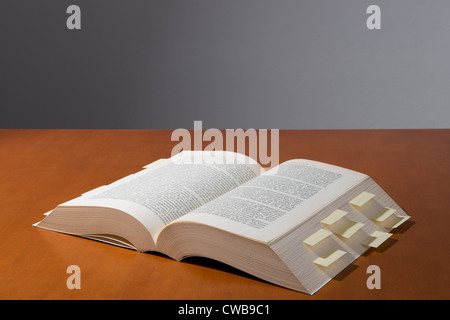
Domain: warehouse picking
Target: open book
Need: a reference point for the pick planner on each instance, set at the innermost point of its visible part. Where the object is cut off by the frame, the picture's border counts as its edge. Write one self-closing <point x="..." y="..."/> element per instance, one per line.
<point x="296" y="225"/>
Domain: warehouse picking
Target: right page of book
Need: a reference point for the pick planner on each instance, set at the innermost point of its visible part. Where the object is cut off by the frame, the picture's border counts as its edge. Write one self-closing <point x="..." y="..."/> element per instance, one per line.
<point x="278" y="200"/>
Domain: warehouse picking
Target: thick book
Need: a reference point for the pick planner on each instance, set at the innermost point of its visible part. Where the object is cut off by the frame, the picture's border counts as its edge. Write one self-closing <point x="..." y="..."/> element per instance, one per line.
<point x="296" y="225"/>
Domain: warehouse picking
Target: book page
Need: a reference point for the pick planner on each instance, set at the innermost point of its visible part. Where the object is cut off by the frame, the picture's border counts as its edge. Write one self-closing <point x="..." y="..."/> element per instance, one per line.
<point x="277" y="200"/>
<point x="162" y="193"/>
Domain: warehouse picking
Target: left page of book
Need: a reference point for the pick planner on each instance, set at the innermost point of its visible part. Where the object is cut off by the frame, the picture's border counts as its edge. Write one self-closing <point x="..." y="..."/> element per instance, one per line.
<point x="170" y="189"/>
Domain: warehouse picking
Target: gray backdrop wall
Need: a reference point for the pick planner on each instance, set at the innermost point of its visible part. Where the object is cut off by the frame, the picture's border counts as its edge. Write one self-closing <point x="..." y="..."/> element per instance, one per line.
<point x="230" y="63"/>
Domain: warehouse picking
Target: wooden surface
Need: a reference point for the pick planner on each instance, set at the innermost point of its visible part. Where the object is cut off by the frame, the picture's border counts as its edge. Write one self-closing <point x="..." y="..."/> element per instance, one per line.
<point x="42" y="168"/>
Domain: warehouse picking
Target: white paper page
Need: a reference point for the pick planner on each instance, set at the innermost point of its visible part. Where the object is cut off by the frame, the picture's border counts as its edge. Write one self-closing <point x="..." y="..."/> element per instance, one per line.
<point x="162" y="193"/>
<point x="277" y="200"/>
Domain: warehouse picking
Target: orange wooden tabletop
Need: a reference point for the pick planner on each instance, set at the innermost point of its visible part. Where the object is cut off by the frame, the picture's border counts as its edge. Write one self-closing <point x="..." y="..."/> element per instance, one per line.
<point x="43" y="168"/>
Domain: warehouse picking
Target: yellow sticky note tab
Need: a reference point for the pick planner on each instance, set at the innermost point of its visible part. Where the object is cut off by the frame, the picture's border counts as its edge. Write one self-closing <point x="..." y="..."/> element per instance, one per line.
<point x="334" y="217"/>
<point x="317" y="237"/>
<point x="384" y="214"/>
<point x="376" y="238"/>
<point x="329" y="258"/>
<point x="397" y="221"/>
<point x="348" y="229"/>
<point x="361" y="199"/>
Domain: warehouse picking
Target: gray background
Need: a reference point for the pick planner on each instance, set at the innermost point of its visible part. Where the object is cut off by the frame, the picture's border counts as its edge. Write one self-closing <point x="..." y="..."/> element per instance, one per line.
<point x="230" y="63"/>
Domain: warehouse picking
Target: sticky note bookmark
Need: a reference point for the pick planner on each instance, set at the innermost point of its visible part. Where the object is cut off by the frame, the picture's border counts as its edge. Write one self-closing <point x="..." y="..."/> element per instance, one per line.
<point x="334" y="217"/>
<point x="384" y="214"/>
<point x="316" y="237"/>
<point x="348" y="229"/>
<point x="345" y="228"/>
<point x="397" y="221"/>
<point x="329" y="258"/>
<point x="361" y="199"/>
<point x="376" y="238"/>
